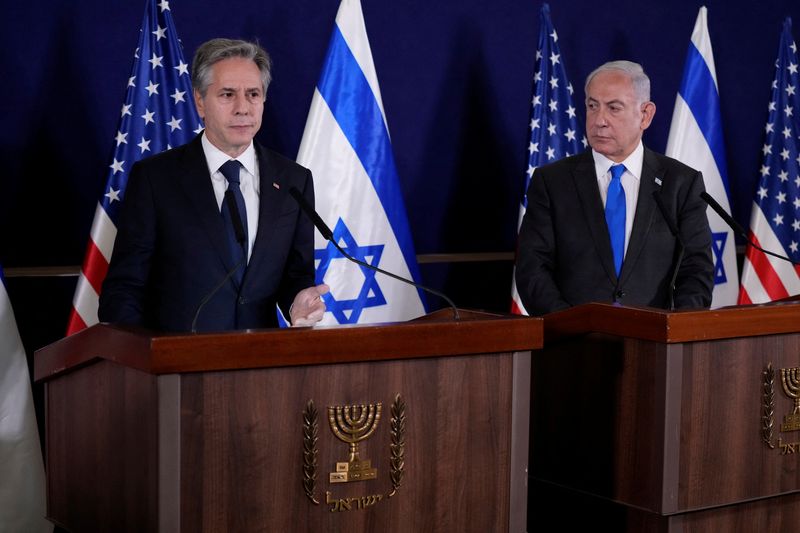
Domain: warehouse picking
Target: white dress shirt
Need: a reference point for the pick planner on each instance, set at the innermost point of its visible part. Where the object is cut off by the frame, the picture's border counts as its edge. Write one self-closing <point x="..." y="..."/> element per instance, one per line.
<point x="248" y="182"/>
<point x="630" y="182"/>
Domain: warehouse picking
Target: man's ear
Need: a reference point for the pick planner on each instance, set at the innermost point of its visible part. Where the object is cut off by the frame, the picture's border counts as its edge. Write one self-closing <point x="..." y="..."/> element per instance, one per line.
<point x="198" y="102"/>
<point x="648" y="112"/>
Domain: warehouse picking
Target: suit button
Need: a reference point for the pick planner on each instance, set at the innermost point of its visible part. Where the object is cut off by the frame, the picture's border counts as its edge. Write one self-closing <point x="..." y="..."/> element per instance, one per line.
<point x="619" y="295"/>
<point x="242" y="300"/>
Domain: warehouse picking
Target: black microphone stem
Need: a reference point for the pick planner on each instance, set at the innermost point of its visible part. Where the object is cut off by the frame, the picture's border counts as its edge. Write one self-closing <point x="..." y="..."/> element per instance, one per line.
<point x="739" y="229"/>
<point x="213" y="292"/>
<point x="681" y="247"/>
<point x="395" y="276"/>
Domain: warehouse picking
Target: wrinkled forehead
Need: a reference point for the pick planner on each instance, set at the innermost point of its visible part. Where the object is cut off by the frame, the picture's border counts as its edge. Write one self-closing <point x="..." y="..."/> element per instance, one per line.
<point x="611" y="86"/>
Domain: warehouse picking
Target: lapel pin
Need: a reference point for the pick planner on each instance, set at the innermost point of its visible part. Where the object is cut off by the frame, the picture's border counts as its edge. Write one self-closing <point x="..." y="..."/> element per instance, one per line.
<point x="276" y="185"/>
<point x="658" y="182"/>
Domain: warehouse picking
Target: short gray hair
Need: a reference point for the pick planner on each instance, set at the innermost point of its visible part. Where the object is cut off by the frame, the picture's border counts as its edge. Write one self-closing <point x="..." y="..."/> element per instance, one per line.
<point x="215" y="50"/>
<point x="634" y="71"/>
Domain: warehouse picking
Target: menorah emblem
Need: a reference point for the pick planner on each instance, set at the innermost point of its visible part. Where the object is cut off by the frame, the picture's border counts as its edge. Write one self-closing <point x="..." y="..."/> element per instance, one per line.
<point x="352" y="424"/>
<point x="790" y="378"/>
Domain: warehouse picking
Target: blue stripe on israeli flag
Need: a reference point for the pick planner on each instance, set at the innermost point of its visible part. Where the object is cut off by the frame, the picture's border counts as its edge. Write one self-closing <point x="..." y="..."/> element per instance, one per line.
<point x="349" y="97"/>
<point x="699" y="91"/>
<point x="695" y="138"/>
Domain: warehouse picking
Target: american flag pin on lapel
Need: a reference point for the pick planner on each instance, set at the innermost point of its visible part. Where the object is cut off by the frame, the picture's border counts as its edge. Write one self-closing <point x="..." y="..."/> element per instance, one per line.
<point x="276" y="185"/>
<point x="658" y="182"/>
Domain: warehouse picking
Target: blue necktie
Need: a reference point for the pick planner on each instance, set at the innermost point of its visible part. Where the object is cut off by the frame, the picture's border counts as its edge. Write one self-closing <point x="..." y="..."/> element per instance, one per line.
<point x="615" y="215"/>
<point x="238" y="250"/>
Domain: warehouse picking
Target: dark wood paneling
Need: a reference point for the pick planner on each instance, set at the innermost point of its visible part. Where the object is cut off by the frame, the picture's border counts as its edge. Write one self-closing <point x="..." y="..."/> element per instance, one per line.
<point x="242" y="437"/>
<point x="431" y="336"/>
<point x="668" y="428"/>
<point x="596" y="423"/>
<point x="723" y="458"/>
<point x="773" y="515"/>
<point x="677" y="326"/>
<point x="107" y="412"/>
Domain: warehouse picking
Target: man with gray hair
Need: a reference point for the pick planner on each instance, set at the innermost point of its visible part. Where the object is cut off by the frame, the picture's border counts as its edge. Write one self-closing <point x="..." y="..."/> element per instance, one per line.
<point x="593" y="230"/>
<point x="209" y="238"/>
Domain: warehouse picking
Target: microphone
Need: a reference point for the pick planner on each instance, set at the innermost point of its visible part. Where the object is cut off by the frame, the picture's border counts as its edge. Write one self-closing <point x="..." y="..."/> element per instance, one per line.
<point x="738" y="228"/>
<point x="681" y="247"/>
<point x="238" y="231"/>
<point x="326" y="233"/>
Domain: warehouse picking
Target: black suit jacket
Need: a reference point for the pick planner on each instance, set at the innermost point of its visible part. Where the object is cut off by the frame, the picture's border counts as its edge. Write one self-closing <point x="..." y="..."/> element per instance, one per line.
<point x="564" y="255"/>
<point x="171" y="248"/>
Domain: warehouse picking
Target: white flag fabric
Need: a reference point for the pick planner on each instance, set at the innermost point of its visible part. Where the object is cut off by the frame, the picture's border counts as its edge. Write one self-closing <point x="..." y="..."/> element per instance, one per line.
<point x="347" y="147"/>
<point x="22" y="490"/>
<point x="695" y="138"/>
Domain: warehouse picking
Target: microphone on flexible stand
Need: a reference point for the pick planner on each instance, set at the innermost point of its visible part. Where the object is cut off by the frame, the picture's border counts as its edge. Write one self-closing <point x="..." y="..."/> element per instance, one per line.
<point x="735" y="226"/>
<point x="238" y="231"/>
<point x="681" y="247"/>
<point x="327" y="234"/>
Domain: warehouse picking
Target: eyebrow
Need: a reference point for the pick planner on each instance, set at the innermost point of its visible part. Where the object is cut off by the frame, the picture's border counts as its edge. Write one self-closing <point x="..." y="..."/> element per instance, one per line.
<point x="234" y="89"/>
<point x="615" y="101"/>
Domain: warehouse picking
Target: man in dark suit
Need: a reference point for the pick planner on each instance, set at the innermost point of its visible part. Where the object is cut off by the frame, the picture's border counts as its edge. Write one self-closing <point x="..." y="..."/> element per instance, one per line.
<point x="593" y="231"/>
<point x="177" y="235"/>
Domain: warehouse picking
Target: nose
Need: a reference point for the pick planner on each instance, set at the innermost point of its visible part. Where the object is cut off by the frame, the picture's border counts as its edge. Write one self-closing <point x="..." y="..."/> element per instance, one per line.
<point x="241" y="106"/>
<point x="600" y="118"/>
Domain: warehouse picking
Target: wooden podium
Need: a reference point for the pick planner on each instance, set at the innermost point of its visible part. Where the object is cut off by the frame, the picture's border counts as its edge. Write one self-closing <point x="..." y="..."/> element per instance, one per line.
<point x="653" y="421"/>
<point x="232" y="432"/>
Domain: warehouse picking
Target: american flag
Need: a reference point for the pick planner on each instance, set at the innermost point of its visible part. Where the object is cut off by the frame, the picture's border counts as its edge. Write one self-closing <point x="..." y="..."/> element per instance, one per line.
<point x="775" y="218"/>
<point x="554" y="122"/>
<point x="158" y="113"/>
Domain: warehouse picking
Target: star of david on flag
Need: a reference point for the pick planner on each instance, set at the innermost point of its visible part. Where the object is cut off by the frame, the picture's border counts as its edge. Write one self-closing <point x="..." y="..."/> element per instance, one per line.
<point x="775" y="216"/>
<point x="158" y="113"/>
<point x="695" y="138"/>
<point x="347" y="147"/>
<point x="553" y="120"/>
<point x="348" y="310"/>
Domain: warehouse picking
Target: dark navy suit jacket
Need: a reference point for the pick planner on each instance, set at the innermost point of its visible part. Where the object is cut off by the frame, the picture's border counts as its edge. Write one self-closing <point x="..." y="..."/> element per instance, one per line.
<point x="564" y="255"/>
<point x="171" y="248"/>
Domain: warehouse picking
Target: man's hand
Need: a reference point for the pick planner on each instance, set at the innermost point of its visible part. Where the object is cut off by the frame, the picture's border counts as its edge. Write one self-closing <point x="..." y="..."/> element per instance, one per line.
<point x="308" y="307"/>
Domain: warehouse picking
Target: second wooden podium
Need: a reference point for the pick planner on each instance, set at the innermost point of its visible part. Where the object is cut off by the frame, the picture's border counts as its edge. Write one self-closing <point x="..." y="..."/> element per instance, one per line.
<point x="650" y="421"/>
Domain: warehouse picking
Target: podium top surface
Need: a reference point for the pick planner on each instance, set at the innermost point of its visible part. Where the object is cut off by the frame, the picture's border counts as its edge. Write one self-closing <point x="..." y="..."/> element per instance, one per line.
<point x="675" y="326"/>
<point x="433" y="335"/>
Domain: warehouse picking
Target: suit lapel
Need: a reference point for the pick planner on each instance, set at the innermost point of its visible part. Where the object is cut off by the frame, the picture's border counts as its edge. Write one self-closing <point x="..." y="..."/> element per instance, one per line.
<point x="271" y="194"/>
<point x="196" y="184"/>
<point x="643" y="218"/>
<point x="585" y="180"/>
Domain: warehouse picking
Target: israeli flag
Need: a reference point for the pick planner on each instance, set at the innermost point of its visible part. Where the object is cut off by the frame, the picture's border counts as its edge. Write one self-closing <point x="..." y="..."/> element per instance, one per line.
<point x="347" y="147"/>
<point x="695" y="138"/>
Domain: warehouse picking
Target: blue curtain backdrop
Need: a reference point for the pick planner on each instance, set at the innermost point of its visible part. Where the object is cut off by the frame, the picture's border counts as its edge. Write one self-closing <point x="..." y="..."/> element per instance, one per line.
<point x="456" y="78"/>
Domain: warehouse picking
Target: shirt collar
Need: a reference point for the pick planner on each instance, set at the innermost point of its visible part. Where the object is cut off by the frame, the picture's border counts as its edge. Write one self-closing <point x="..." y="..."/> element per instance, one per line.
<point x="633" y="163"/>
<point x="215" y="157"/>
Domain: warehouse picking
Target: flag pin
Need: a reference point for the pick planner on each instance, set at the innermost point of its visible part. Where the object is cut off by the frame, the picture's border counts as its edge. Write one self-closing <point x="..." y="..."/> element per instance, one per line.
<point x="276" y="185"/>
<point x="658" y="181"/>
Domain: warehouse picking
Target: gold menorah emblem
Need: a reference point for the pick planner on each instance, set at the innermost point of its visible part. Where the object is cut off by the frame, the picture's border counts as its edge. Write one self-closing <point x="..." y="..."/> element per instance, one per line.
<point x="352" y="424"/>
<point x="790" y="378"/>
